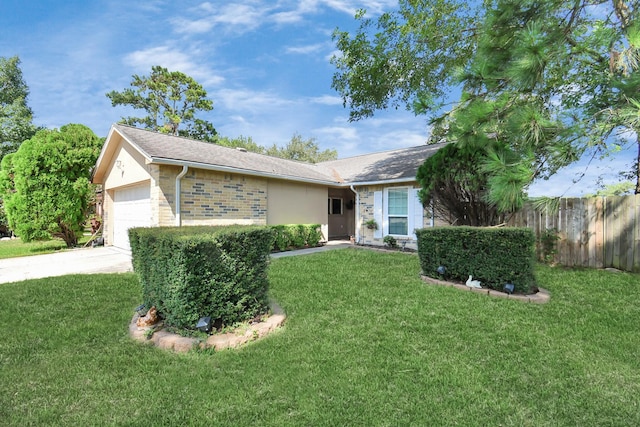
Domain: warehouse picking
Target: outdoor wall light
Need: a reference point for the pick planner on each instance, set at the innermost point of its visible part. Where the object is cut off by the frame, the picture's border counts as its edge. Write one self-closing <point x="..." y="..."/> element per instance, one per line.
<point x="509" y="287"/>
<point x="204" y="324"/>
<point x="141" y="310"/>
<point x="441" y="270"/>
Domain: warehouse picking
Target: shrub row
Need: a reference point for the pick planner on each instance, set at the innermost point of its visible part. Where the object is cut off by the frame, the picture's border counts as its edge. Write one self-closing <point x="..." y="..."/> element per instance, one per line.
<point x="495" y="256"/>
<point x="296" y="236"/>
<point x="191" y="272"/>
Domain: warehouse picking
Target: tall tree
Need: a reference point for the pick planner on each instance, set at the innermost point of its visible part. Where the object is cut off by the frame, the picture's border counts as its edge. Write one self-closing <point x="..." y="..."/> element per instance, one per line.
<point x="46" y="186"/>
<point x="15" y="115"/>
<point x="545" y="80"/>
<point x="456" y="188"/>
<point x="550" y="79"/>
<point x="171" y="99"/>
<point x="302" y="151"/>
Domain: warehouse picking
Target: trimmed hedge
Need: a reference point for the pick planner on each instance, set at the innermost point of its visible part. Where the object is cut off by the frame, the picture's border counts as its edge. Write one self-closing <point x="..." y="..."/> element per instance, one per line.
<point x="296" y="236"/>
<point x="495" y="256"/>
<point x="191" y="272"/>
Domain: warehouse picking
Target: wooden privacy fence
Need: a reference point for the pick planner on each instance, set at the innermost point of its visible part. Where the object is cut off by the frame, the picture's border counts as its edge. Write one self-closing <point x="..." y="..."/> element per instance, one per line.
<point x="592" y="232"/>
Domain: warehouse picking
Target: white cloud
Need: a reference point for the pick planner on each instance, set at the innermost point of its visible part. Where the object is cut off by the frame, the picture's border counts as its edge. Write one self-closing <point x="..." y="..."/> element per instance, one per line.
<point x="233" y="17"/>
<point x="240" y="17"/>
<point x="326" y="100"/>
<point x="249" y="101"/>
<point x="312" y="48"/>
<point x="291" y="17"/>
<point x="173" y="59"/>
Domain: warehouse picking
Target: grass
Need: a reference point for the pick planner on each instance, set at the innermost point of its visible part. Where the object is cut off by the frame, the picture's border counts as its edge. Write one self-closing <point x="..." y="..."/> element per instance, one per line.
<point x="366" y="343"/>
<point x="17" y="248"/>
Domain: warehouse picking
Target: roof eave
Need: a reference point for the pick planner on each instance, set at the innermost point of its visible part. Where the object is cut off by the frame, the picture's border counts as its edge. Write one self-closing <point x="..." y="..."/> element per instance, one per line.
<point x="249" y="172"/>
<point x="381" y="182"/>
<point x="101" y="169"/>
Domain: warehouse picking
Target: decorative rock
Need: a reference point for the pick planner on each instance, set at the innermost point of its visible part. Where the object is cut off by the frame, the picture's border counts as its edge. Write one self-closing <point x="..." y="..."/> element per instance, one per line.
<point x="540" y="297"/>
<point x="169" y="341"/>
<point x="150" y="319"/>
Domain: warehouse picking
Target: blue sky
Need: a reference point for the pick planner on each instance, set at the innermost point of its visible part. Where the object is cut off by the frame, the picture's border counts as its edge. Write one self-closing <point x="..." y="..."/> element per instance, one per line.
<point x="265" y="64"/>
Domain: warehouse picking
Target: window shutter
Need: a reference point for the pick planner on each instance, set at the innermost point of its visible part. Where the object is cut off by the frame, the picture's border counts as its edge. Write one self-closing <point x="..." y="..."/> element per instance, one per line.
<point x="377" y="214"/>
<point x="416" y="215"/>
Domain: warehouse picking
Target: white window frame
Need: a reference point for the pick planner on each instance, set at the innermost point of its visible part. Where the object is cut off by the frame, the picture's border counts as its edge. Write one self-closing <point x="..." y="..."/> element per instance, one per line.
<point x="415" y="212"/>
<point x="387" y="206"/>
<point x="330" y="207"/>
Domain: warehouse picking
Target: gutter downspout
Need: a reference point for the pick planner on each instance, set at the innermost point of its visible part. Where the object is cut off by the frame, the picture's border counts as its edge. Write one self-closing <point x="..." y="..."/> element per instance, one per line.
<point x="357" y="221"/>
<point x="185" y="168"/>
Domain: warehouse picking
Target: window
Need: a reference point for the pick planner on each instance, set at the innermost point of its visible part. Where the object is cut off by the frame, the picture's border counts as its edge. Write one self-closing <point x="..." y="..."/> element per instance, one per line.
<point x="335" y="206"/>
<point x="398" y="211"/>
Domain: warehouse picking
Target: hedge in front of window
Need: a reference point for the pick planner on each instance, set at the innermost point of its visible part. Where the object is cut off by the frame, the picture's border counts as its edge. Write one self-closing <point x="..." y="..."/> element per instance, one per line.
<point x="495" y="256"/>
<point x="191" y="272"/>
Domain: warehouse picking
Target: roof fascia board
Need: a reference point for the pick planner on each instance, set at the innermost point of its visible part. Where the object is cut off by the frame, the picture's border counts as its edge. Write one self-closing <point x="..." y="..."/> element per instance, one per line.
<point x="135" y="146"/>
<point x="104" y="147"/>
<point x="163" y="161"/>
<point x="382" y="182"/>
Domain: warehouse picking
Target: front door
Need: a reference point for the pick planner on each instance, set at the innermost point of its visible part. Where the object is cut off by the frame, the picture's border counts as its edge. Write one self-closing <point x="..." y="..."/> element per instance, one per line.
<point x="341" y="210"/>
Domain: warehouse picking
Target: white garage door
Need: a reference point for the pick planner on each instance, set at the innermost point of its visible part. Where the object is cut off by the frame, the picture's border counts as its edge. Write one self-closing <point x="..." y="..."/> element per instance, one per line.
<point x="131" y="208"/>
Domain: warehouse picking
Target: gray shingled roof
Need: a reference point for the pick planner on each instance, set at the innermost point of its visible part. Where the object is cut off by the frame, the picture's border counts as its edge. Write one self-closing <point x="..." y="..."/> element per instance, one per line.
<point x="161" y="147"/>
<point x="390" y="165"/>
<point x="397" y="164"/>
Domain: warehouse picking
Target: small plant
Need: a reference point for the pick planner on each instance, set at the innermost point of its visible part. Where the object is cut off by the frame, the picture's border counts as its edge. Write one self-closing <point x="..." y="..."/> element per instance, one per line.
<point x="371" y="224"/>
<point x="390" y="241"/>
<point x="149" y="333"/>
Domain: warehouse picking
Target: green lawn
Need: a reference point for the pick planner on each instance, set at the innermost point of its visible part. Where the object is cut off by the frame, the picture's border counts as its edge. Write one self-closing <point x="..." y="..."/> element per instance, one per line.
<point x="17" y="248"/>
<point x="366" y="343"/>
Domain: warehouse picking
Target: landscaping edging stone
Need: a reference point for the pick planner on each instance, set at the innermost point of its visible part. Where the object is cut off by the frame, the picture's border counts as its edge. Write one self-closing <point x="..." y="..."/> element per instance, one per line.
<point x="541" y="297"/>
<point x="170" y="341"/>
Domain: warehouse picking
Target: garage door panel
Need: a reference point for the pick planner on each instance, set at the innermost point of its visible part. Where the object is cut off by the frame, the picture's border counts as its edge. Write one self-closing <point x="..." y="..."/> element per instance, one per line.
<point x="131" y="208"/>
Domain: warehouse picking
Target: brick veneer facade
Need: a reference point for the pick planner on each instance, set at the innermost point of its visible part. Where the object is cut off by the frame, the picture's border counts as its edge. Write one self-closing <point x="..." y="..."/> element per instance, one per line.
<point x="219" y="198"/>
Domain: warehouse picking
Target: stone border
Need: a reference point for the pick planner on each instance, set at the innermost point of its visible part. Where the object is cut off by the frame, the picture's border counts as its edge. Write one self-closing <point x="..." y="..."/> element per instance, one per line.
<point x="170" y="341"/>
<point x="541" y="297"/>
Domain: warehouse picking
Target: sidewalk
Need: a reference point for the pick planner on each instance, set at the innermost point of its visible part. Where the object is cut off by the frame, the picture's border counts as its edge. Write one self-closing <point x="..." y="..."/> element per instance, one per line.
<point x="106" y="259"/>
<point x="331" y="245"/>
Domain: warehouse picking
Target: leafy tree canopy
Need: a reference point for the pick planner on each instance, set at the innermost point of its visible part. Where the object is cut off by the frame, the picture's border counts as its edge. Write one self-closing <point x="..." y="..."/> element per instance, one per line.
<point x="302" y="151"/>
<point x="171" y="99"/>
<point x="405" y="58"/>
<point x="46" y="183"/>
<point x="296" y="149"/>
<point x="549" y="80"/>
<point x="15" y="115"/>
<point x="452" y="184"/>
<point x="542" y="81"/>
<point x="241" y="142"/>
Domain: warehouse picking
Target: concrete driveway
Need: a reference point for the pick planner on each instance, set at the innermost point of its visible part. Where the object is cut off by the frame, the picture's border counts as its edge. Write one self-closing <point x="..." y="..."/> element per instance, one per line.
<point x="104" y="259"/>
<point x="76" y="261"/>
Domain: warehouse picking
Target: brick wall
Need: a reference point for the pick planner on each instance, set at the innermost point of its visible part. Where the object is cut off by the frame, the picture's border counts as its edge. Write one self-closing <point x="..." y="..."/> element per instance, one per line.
<point x="367" y="213"/>
<point x="217" y="198"/>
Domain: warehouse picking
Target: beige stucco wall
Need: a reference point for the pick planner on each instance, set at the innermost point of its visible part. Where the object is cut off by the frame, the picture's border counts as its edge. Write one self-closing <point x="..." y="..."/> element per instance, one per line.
<point x="126" y="168"/>
<point x="297" y="203"/>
